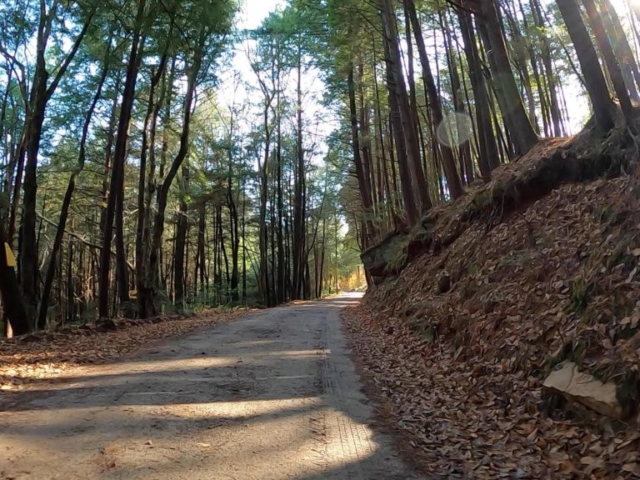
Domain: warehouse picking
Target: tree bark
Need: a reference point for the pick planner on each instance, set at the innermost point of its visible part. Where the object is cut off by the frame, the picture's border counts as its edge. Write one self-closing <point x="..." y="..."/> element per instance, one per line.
<point x="520" y="127"/>
<point x="12" y="301"/>
<point x="363" y="186"/>
<point x="281" y="282"/>
<point x="556" y="116"/>
<point x="448" y="160"/>
<point x="181" y="240"/>
<point x="488" y="156"/>
<point x="397" y="89"/>
<point x="235" y="237"/>
<point x="119" y="159"/>
<point x="595" y="82"/>
<point x="299" y="203"/>
<point x="610" y="60"/>
<point x="622" y="48"/>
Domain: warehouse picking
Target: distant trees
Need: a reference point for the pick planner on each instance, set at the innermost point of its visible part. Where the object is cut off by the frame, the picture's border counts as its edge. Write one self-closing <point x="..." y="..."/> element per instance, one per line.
<point x="129" y="187"/>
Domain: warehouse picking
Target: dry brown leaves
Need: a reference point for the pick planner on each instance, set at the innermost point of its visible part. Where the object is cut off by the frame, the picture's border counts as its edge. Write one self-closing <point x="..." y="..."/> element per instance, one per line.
<point x="49" y="355"/>
<point x="562" y="272"/>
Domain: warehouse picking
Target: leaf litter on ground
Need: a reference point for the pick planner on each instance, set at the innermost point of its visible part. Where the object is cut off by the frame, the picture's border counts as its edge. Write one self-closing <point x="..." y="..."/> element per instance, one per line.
<point x="462" y="371"/>
<point x="50" y="354"/>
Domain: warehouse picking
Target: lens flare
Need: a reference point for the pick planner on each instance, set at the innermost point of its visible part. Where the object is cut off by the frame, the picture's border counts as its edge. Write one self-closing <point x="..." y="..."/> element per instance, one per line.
<point x="454" y="130"/>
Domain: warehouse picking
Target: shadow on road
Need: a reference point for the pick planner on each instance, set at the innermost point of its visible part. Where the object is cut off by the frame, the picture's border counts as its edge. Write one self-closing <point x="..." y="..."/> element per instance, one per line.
<point x="270" y="396"/>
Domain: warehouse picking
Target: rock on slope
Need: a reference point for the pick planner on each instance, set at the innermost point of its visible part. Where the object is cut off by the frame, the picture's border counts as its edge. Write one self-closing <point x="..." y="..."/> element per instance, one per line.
<point x="541" y="268"/>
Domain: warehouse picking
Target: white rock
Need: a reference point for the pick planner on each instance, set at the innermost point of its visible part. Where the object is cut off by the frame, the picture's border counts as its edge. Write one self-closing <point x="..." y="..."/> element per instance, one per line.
<point x="585" y="389"/>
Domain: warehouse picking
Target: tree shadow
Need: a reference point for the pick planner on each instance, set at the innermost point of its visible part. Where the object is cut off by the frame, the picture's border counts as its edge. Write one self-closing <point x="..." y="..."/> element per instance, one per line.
<point x="273" y="395"/>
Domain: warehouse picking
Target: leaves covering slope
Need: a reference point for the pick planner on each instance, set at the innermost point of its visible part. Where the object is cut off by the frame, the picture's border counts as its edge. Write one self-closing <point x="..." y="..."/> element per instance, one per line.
<point x="463" y="370"/>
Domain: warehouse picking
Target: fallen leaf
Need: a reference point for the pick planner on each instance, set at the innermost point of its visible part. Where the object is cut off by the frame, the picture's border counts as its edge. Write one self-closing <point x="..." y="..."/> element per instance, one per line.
<point x="470" y="402"/>
<point x="632" y="468"/>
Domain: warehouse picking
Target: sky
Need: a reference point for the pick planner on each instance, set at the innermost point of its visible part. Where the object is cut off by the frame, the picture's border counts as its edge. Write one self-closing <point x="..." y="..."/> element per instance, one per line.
<point x="254" y="11"/>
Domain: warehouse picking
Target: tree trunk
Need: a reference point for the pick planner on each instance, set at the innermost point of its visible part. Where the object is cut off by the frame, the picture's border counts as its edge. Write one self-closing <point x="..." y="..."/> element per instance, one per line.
<point x="610" y="60"/>
<point x="181" y="240"/>
<point x="263" y="234"/>
<point x="622" y="48"/>
<point x="464" y="148"/>
<point x="17" y="186"/>
<point x="145" y="184"/>
<point x="163" y="190"/>
<point x="281" y="287"/>
<point x="595" y="82"/>
<point x="235" y="238"/>
<point x="398" y="90"/>
<point x="299" y="204"/>
<point x="556" y="116"/>
<point x="395" y="126"/>
<point x="513" y="110"/>
<point x="363" y="186"/>
<point x="488" y="156"/>
<point x="448" y="161"/>
<point x="12" y="301"/>
<point x="244" y="245"/>
<point x="119" y="159"/>
<point x="200" y="289"/>
<point x="40" y="95"/>
<point x="365" y="145"/>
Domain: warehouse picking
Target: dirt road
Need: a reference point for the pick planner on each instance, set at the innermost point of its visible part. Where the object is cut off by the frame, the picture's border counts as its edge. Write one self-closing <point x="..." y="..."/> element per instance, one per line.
<point x="270" y="396"/>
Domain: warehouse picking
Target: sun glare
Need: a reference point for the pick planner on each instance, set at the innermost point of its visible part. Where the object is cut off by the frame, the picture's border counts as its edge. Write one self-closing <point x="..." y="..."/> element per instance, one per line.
<point x="253" y="12"/>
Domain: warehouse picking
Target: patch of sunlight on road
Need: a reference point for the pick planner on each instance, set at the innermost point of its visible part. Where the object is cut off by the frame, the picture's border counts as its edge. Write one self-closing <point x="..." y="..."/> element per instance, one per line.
<point x="287" y="438"/>
<point x="105" y="420"/>
<point x="157" y="366"/>
<point x="213" y="362"/>
<point x="296" y="438"/>
<point x="242" y="409"/>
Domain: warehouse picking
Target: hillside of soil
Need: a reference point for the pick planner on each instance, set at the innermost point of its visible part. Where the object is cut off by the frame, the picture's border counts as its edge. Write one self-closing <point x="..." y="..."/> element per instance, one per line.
<point x="473" y="309"/>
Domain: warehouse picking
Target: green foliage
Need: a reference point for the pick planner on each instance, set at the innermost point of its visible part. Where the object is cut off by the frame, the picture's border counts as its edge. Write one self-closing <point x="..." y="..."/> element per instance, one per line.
<point x="421" y="326"/>
<point x="398" y="260"/>
<point x="581" y="292"/>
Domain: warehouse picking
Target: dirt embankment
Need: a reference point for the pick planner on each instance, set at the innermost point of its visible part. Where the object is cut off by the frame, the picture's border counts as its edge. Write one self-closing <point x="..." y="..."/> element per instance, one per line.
<point x="475" y="307"/>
